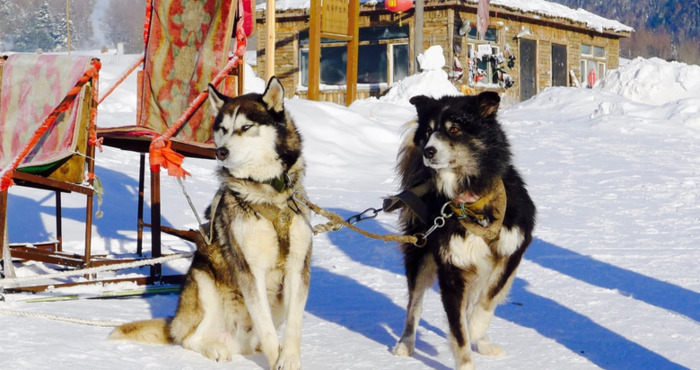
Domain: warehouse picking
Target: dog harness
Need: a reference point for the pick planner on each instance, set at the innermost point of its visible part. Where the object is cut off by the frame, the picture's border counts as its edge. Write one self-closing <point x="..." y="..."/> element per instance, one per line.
<point x="483" y="217"/>
<point x="489" y="209"/>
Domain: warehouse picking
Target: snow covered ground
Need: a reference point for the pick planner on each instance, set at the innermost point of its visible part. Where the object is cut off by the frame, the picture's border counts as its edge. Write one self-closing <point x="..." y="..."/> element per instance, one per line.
<point x="611" y="280"/>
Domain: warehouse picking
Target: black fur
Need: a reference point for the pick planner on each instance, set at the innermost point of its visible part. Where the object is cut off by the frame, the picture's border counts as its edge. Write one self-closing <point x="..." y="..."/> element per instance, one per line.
<point x="468" y="125"/>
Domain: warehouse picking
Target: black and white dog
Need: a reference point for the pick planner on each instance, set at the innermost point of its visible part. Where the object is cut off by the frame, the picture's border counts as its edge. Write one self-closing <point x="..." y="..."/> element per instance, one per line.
<point x="457" y="154"/>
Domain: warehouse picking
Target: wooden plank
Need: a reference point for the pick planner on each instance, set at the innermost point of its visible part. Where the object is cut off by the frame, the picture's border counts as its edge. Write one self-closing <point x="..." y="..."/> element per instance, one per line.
<point x="270" y="13"/>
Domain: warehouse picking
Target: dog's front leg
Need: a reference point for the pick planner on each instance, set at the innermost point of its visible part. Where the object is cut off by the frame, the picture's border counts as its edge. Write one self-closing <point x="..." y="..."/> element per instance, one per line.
<point x="254" y="292"/>
<point x="420" y="274"/>
<point x="453" y="291"/>
<point x="296" y="291"/>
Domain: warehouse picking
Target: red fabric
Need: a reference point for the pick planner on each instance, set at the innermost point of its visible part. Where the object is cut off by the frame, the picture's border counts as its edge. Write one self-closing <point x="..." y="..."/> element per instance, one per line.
<point x="591" y="78"/>
<point x="247" y="10"/>
<point x="147" y="22"/>
<point x="160" y="153"/>
<point x="188" y="43"/>
<point x="482" y="17"/>
<point x="63" y="106"/>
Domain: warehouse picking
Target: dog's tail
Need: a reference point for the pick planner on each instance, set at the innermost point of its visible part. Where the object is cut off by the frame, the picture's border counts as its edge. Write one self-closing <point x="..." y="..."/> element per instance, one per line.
<point x="155" y="331"/>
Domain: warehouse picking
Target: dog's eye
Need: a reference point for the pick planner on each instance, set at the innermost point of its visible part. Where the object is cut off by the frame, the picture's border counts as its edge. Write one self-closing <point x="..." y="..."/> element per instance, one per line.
<point x="246" y="127"/>
<point x="429" y="131"/>
<point x="454" y="130"/>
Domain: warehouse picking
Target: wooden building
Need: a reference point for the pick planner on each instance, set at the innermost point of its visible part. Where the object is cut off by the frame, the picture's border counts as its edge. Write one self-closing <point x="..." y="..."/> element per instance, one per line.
<point x="526" y="48"/>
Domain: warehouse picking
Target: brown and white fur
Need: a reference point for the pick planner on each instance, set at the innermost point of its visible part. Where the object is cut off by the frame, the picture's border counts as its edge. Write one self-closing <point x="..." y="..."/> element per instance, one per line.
<point x="250" y="279"/>
<point x="459" y="150"/>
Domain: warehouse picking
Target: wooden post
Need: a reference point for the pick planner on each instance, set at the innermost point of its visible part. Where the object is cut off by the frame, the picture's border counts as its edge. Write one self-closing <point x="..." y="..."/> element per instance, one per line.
<point x="418" y="29"/>
<point x="8" y="267"/>
<point x="314" y="50"/>
<point x="353" y="33"/>
<point x="270" y="48"/>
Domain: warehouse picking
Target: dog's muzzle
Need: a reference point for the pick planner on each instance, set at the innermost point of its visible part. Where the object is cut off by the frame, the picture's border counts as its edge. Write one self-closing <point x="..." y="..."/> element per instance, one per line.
<point x="221" y="153"/>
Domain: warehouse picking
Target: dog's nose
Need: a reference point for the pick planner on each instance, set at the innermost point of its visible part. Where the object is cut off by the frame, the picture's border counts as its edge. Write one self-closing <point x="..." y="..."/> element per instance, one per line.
<point x="429" y="152"/>
<point x="221" y="153"/>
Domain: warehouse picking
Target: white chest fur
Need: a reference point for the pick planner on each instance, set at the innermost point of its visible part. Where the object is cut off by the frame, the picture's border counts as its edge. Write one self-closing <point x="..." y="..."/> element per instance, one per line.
<point x="467" y="252"/>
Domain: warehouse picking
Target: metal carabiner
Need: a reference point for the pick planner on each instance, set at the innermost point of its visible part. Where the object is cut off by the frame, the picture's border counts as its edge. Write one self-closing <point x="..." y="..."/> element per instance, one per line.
<point x="363" y="216"/>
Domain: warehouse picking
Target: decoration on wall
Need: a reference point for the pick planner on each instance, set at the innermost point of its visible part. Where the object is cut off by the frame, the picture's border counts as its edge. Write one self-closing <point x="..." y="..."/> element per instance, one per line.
<point x="497" y="62"/>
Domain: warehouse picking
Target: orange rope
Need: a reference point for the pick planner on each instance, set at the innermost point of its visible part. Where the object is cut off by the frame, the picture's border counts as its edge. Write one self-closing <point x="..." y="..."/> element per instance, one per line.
<point x="8" y="172"/>
<point x="121" y="79"/>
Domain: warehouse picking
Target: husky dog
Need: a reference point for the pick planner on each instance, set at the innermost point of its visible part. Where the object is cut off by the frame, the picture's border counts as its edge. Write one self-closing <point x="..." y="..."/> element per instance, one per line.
<point x="255" y="273"/>
<point x="456" y="158"/>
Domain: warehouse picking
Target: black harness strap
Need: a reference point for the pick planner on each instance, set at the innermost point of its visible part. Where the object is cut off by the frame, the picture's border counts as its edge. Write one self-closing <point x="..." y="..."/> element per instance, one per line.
<point x="412" y="199"/>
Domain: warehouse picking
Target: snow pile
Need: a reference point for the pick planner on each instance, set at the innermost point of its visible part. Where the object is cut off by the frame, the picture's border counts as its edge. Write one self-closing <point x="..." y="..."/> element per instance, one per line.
<point x="432" y="81"/>
<point x="653" y="81"/>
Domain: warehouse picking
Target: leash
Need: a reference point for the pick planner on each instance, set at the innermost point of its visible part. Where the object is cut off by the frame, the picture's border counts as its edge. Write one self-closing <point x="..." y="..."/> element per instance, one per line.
<point x="469" y="215"/>
<point x="337" y="222"/>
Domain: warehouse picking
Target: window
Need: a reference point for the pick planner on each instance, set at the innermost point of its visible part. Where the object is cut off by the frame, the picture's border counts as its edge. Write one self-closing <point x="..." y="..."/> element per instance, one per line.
<point x="382" y="56"/>
<point x="399" y="62"/>
<point x="491" y="34"/>
<point x="592" y="59"/>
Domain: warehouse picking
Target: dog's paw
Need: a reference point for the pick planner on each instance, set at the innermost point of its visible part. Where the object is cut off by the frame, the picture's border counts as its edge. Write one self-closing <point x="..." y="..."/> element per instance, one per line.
<point x="403" y="349"/>
<point x="487" y="348"/>
<point x="216" y="351"/>
<point x="288" y="361"/>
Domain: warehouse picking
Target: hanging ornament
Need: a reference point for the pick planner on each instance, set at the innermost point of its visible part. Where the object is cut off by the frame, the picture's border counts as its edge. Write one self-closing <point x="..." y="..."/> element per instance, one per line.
<point x="398" y="6"/>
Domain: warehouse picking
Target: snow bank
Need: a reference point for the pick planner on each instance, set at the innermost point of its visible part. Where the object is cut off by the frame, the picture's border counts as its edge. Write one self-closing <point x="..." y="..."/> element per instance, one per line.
<point x="432" y="81"/>
<point x="653" y="81"/>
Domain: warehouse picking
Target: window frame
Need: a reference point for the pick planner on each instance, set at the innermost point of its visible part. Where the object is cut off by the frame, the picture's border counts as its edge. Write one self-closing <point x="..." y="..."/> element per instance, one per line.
<point x="592" y="57"/>
<point x="303" y="50"/>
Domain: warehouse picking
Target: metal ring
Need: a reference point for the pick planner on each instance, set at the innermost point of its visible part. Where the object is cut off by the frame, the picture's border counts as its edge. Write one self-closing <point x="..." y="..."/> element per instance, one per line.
<point x="420" y="237"/>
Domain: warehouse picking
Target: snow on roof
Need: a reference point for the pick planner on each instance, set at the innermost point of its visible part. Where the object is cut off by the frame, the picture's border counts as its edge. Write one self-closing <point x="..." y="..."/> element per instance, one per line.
<point x="536" y="7"/>
<point x="549" y="9"/>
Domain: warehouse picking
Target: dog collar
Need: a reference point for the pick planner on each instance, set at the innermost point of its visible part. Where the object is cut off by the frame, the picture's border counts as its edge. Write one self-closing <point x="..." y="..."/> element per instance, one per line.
<point x="279" y="183"/>
<point x="472" y="215"/>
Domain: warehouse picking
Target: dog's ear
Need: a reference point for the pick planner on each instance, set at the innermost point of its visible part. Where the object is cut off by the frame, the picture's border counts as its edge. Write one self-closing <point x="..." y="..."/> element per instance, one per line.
<point x="274" y="95"/>
<point x="488" y="104"/>
<point x="421" y="102"/>
<point x="216" y="99"/>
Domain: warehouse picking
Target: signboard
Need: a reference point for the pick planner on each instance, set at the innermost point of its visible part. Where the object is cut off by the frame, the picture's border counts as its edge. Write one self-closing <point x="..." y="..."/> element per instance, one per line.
<point x="483" y="49"/>
<point x="335" y="17"/>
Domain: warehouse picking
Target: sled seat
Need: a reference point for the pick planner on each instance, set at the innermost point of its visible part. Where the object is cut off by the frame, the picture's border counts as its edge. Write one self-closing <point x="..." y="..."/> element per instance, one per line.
<point x="187" y="44"/>
<point x="47" y="111"/>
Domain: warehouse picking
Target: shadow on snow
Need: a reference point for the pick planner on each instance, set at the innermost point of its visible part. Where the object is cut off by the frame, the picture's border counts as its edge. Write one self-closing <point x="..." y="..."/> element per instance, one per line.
<point x="351" y="305"/>
<point x="119" y="207"/>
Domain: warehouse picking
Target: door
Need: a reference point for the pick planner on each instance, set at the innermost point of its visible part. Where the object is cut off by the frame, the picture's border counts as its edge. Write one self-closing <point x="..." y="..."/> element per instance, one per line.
<point x="528" y="69"/>
<point x="559" y="70"/>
